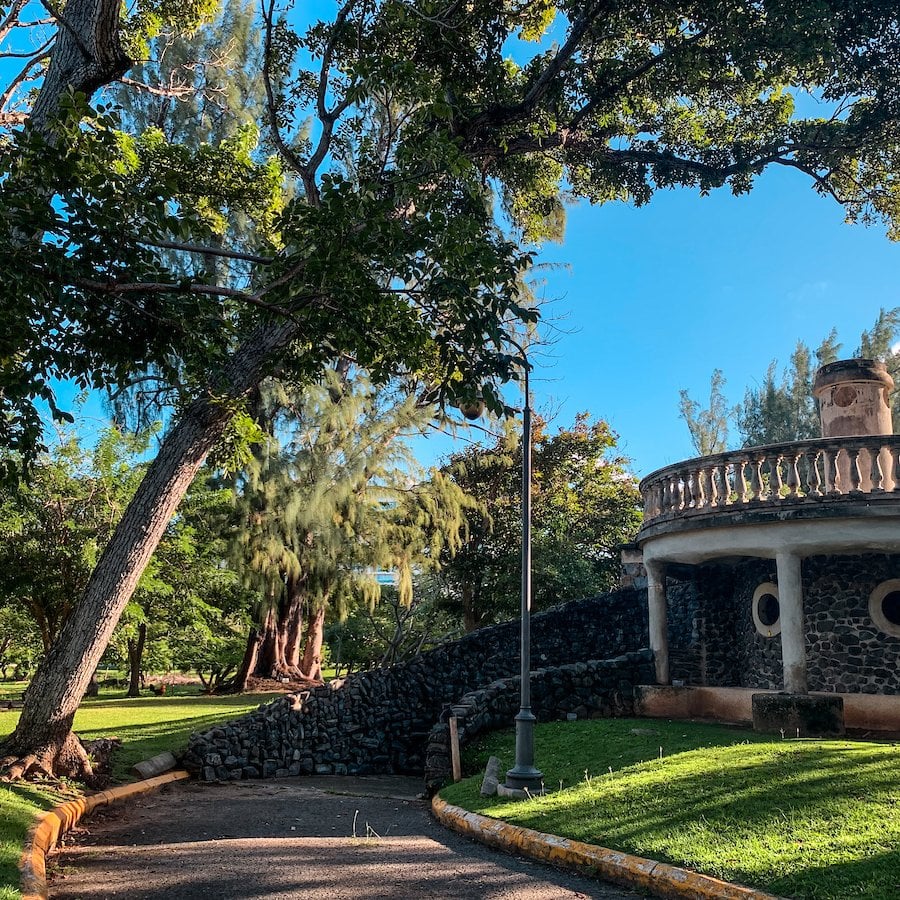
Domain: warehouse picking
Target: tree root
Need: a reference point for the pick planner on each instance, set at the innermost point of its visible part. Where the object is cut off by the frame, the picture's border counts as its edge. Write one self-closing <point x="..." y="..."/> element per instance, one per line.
<point x="50" y="760"/>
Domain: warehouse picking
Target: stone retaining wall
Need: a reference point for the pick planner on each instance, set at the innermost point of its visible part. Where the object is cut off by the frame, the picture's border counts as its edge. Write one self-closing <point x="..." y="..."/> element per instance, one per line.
<point x="379" y="721"/>
<point x="589" y="690"/>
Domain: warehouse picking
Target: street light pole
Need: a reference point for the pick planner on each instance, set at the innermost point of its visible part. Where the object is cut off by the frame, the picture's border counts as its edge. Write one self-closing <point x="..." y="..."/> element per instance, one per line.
<point x="524" y="776"/>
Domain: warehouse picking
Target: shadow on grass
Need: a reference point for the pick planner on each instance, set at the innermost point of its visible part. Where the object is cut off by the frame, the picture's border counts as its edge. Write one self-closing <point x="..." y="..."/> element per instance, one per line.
<point x="182" y="700"/>
<point x="747" y="813"/>
<point x="876" y="877"/>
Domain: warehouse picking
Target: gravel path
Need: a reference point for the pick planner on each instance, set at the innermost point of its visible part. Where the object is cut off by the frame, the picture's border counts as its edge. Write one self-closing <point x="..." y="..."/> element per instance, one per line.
<point x="294" y="838"/>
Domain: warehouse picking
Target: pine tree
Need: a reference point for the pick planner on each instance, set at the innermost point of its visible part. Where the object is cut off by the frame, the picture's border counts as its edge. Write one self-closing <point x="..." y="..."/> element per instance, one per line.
<point x="334" y="497"/>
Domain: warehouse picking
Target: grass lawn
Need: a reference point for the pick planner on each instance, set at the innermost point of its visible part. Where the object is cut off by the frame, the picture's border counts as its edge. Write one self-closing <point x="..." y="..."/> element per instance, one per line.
<point x="146" y="726"/>
<point x="800" y="818"/>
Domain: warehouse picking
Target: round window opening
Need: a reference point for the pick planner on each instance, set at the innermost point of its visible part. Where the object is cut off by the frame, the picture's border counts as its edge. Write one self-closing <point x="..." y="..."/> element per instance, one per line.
<point x="766" y="610"/>
<point x="769" y="611"/>
<point x="884" y="607"/>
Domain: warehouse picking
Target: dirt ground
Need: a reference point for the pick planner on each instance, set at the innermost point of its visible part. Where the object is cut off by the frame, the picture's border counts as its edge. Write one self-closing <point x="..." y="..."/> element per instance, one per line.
<point x="328" y="838"/>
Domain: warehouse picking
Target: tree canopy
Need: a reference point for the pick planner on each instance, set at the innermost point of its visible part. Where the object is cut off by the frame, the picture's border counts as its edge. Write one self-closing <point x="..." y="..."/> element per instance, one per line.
<point x="781" y="409"/>
<point x="585" y="503"/>
<point x="408" y="154"/>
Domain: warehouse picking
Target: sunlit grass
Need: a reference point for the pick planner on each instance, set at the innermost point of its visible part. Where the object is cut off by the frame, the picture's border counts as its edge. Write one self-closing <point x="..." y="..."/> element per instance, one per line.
<point x="805" y="819"/>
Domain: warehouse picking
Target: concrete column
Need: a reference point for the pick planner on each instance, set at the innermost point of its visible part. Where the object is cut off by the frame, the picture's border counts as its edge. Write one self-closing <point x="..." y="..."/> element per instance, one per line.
<point x="793" y="626"/>
<point x="659" y="620"/>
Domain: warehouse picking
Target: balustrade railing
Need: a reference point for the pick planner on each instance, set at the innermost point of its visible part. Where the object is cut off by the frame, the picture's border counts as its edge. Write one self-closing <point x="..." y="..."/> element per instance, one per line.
<point x="775" y="475"/>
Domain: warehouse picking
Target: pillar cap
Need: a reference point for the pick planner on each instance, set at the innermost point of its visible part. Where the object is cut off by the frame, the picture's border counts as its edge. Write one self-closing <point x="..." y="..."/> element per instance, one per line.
<point x="852" y="370"/>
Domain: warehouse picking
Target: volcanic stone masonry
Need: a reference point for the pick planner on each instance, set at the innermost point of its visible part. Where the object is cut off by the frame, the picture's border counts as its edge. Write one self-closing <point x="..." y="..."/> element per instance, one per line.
<point x="383" y="720"/>
<point x="380" y="720"/>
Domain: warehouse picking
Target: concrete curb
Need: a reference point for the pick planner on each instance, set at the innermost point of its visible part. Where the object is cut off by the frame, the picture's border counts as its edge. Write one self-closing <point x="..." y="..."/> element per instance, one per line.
<point x="46" y="832"/>
<point x="659" y="879"/>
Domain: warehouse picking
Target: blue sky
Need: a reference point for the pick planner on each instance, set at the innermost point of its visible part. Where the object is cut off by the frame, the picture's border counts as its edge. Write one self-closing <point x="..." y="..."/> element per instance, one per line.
<point x="653" y="299"/>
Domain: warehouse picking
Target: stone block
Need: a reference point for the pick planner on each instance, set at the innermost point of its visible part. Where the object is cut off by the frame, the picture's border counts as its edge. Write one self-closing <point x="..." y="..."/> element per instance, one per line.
<point x="798" y="715"/>
<point x="491" y="777"/>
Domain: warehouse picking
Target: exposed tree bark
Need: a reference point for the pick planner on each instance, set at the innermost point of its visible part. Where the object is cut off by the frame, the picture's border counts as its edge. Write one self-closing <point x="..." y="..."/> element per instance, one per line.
<point x="267" y="654"/>
<point x="87" y="54"/>
<point x="248" y="663"/>
<point x="41" y="741"/>
<point x="312" y="653"/>
<point x="135" y="660"/>
<point x="293" y="626"/>
<point x="281" y="634"/>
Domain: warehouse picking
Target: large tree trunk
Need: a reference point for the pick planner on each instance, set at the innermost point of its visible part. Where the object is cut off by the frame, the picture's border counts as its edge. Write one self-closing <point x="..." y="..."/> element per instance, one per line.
<point x="248" y="663"/>
<point x="41" y="739"/>
<point x="267" y="656"/>
<point x="312" y="654"/>
<point x="293" y="624"/>
<point x="135" y="660"/>
<point x="281" y="636"/>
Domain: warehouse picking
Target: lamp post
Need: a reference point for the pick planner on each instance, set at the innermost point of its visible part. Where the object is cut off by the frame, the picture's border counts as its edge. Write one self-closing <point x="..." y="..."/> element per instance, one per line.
<point x="523" y="775"/>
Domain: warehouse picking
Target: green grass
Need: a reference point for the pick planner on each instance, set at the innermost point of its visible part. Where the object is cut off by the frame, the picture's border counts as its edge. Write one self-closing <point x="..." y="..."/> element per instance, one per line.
<point x="12" y="690"/>
<point x="800" y="818"/>
<point x="146" y="726"/>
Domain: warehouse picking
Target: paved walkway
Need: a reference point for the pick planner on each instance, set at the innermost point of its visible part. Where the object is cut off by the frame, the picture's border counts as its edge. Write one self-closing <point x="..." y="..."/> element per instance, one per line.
<point x="328" y="838"/>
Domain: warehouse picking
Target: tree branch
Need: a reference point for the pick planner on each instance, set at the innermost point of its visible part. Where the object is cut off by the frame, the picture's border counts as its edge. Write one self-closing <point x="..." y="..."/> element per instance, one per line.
<point x="210" y="251"/>
<point x="11" y="19"/>
<point x="289" y="156"/>
<point x="57" y="14"/>
<point x="175" y="92"/>
<point x="499" y="115"/>
<point x="21" y="78"/>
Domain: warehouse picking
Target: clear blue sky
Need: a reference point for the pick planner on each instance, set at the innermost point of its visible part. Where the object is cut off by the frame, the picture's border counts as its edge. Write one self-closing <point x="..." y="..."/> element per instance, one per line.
<point x="653" y="299"/>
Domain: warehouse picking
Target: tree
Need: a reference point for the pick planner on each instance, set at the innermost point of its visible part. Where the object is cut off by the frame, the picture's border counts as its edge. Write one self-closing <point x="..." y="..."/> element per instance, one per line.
<point x="708" y="427"/>
<point x="53" y="526"/>
<point x="20" y="642"/>
<point x="775" y="413"/>
<point x="585" y="503"/>
<point x="391" y="253"/>
<point x="391" y="631"/>
<point x="880" y="342"/>
<point x="185" y="586"/>
<point x="786" y="410"/>
<point x="325" y="505"/>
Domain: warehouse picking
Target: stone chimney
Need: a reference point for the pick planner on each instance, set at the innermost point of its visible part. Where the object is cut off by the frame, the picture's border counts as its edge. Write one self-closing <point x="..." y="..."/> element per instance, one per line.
<point x="853" y="398"/>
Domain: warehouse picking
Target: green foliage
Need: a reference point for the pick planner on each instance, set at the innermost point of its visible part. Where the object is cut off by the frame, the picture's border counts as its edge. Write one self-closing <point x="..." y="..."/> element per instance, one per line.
<point x="708" y="427"/>
<point x="336" y="496"/>
<point x="53" y="527"/>
<point x="400" y="127"/>
<point x="20" y="641"/>
<point x="783" y="410"/>
<point x="786" y="411"/>
<point x="585" y="503"/>
<point x="390" y="631"/>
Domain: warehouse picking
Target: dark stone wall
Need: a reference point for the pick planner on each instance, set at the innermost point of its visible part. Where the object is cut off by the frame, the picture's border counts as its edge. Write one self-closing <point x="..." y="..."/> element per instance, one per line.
<point x="847" y="652"/>
<point x="379" y="721"/>
<point x="588" y="690"/>
<point x="714" y="642"/>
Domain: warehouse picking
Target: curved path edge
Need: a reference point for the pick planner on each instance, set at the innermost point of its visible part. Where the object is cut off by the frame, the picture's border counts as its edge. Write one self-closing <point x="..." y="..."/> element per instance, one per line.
<point x="52" y="825"/>
<point x="660" y="879"/>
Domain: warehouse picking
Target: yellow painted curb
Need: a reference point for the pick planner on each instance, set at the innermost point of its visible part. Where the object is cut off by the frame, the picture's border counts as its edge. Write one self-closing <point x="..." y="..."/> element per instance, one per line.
<point x="660" y="879"/>
<point x="46" y="832"/>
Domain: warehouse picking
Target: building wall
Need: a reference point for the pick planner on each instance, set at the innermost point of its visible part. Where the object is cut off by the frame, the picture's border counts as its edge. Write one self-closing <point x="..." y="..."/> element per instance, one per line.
<point x="714" y="641"/>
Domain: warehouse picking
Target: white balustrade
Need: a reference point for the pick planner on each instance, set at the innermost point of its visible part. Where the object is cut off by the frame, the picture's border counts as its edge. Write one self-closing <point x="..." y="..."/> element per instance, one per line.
<point x="781" y="475"/>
